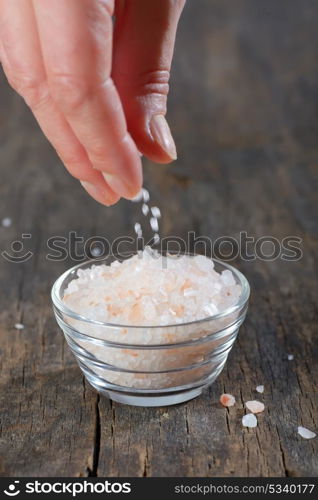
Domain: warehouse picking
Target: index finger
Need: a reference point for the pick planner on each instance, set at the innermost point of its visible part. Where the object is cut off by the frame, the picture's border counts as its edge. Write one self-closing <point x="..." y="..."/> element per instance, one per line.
<point x="76" y="43"/>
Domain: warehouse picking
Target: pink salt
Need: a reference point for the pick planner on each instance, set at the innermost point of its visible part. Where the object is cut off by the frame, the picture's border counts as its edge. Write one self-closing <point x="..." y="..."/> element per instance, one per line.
<point x="227" y="400"/>
<point x="255" y="406"/>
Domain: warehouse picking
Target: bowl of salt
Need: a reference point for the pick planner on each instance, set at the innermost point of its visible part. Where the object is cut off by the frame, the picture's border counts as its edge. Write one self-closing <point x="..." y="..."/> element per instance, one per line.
<point x="151" y="329"/>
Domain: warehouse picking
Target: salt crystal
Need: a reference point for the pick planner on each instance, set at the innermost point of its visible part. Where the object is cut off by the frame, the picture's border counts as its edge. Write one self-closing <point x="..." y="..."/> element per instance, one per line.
<point x="138" y="229"/>
<point x="145" y="209"/>
<point x="306" y="433"/>
<point x="255" y="406"/>
<point x="290" y="357"/>
<point x="210" y="309"/>
<point x="227" y="278"/>
<point x="189" y="292"/>
<point x="6" y="222"/>
<point x="260" y="388"/>
<point x="227" y="400"/>
<point x="156" y="239"/>
<point x="179" y="291"/>
<point x="154" y="224"/>
<point x="249" y="420"/>
<point x="156" y="212"/>
<point x="145" y="195"/>
<point x="19" y="326"/>
<point x="96" y="252"/>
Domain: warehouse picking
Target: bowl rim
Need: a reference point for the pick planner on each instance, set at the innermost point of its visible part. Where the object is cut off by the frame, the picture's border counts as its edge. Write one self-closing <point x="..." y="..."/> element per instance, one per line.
<point x="60" y="305"/>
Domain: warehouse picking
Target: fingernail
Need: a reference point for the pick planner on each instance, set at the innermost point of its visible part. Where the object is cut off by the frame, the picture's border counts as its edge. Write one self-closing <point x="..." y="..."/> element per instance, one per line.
<point x="120" y="186"/>
<point x="161" y="133"/>
<point x="98" y="193"/>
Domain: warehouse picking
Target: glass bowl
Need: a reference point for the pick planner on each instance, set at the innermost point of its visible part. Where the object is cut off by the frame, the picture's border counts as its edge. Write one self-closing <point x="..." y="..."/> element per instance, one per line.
<point x="150" y="365"/>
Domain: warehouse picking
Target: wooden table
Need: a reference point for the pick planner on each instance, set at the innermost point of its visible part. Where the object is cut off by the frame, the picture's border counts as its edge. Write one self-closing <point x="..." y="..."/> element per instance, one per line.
<point x="243" y="108"/>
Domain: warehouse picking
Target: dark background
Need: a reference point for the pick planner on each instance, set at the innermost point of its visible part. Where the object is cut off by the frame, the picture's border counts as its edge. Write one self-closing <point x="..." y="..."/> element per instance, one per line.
<point x="243" y="108"/>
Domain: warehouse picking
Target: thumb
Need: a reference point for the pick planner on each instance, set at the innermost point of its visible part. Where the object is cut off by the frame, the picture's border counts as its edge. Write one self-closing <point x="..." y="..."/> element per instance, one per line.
<point x="143" y="48"/>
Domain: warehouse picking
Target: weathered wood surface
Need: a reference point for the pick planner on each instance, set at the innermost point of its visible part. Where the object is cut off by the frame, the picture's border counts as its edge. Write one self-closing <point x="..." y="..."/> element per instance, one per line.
<point x="243" y="107"/>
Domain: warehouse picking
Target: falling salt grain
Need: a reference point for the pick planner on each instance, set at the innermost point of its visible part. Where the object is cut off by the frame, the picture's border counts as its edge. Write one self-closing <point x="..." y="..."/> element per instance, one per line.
<point x="260" y="388"/>
<point x="145" y="209"/>
<point x="96" y="252"/>
<point x="156" y="239"/>
<point x="290" y="357"/>
<point x="19" y="326"/>
<point x="138" y="229"/>
<point x="306" y="433"/>
<point x="227" y="400"/>
<point x="145" y="195"/>
<point x="156" y="212"/>
<point x="249" y="420"/>
<point x="6" y="222"/>
<point x="154" y="224"/>
<point x="255" y="406"/>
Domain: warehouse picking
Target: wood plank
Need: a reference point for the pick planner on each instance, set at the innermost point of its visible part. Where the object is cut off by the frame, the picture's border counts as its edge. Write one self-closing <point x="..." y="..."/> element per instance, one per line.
<point x="243" y="110"/>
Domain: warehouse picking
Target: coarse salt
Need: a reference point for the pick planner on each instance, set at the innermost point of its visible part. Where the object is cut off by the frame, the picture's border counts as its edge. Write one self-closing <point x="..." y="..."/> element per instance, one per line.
<point x="227" y="400"/>
<point x="260" y="388"/>
<point x="255" y="406"/>
<point x="306" y="433"/>
<point x="155" y="212"/>
<point x="290" y="357"/>
<point x="154" y="224"/>
<point x="138" y="229"/>
<point x="178" y="288"/>
<point x="249" y="420"/>
<point x="145" y="195"/>
<point x="19" y="326"/>
<point x="6" y="222"/>
<point x="145" y="209"/>
<point x="156" y="239"/>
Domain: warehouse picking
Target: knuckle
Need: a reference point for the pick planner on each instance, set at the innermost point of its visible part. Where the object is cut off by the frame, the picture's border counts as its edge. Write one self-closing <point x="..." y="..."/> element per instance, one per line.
<point x="155" y="82"/>
<point x="68" y="91"/>
<point x="32" y="88"/>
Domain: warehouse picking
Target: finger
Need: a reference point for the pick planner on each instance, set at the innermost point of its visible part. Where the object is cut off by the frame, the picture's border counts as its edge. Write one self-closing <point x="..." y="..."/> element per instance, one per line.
<point x="143" y="48"/>
<point x="23" y="65"/>
<point x="76" y="43"/>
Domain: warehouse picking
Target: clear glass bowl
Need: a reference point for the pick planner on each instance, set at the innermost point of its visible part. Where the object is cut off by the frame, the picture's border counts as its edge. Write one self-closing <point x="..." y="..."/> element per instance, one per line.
<point x="150" y="365"/>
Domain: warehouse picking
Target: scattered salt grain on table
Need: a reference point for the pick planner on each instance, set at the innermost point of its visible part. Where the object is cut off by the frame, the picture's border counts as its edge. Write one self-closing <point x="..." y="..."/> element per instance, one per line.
<point x="19" y="326"/>
<point x="249" y="420"/>
<point x="152" y="289"/>
<point x="290" y="357"/>
<point x="227" y="400"/>
<point x="6" y="222"/>
<point x="260" y="388"/>
<point x="255" y="406"/>
<point x="306" y="433"/>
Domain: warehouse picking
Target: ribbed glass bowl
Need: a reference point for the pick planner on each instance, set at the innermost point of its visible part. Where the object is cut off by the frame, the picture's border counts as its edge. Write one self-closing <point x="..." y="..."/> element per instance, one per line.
<point x="150" y="365"/>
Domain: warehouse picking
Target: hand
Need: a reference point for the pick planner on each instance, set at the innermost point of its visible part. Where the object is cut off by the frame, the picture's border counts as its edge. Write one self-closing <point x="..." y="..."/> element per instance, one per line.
<point x="98" y="92"/>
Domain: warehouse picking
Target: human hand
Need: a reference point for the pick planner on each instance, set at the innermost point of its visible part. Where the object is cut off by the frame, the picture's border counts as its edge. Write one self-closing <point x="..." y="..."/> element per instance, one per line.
<point x="98" y="91"/>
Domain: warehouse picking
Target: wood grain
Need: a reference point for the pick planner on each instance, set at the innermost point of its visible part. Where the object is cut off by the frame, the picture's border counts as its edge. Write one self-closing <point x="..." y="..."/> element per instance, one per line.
<point x="243" y="108"/>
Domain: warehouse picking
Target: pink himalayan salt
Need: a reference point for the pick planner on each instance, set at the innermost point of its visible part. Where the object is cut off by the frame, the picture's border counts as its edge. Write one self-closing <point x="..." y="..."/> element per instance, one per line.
<point x="227" y="400"/>
<point x="306" y="433"/>
<point x="151" y="289"/>
<point x="255" y="406"/>
<point x="249" y="420"/>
